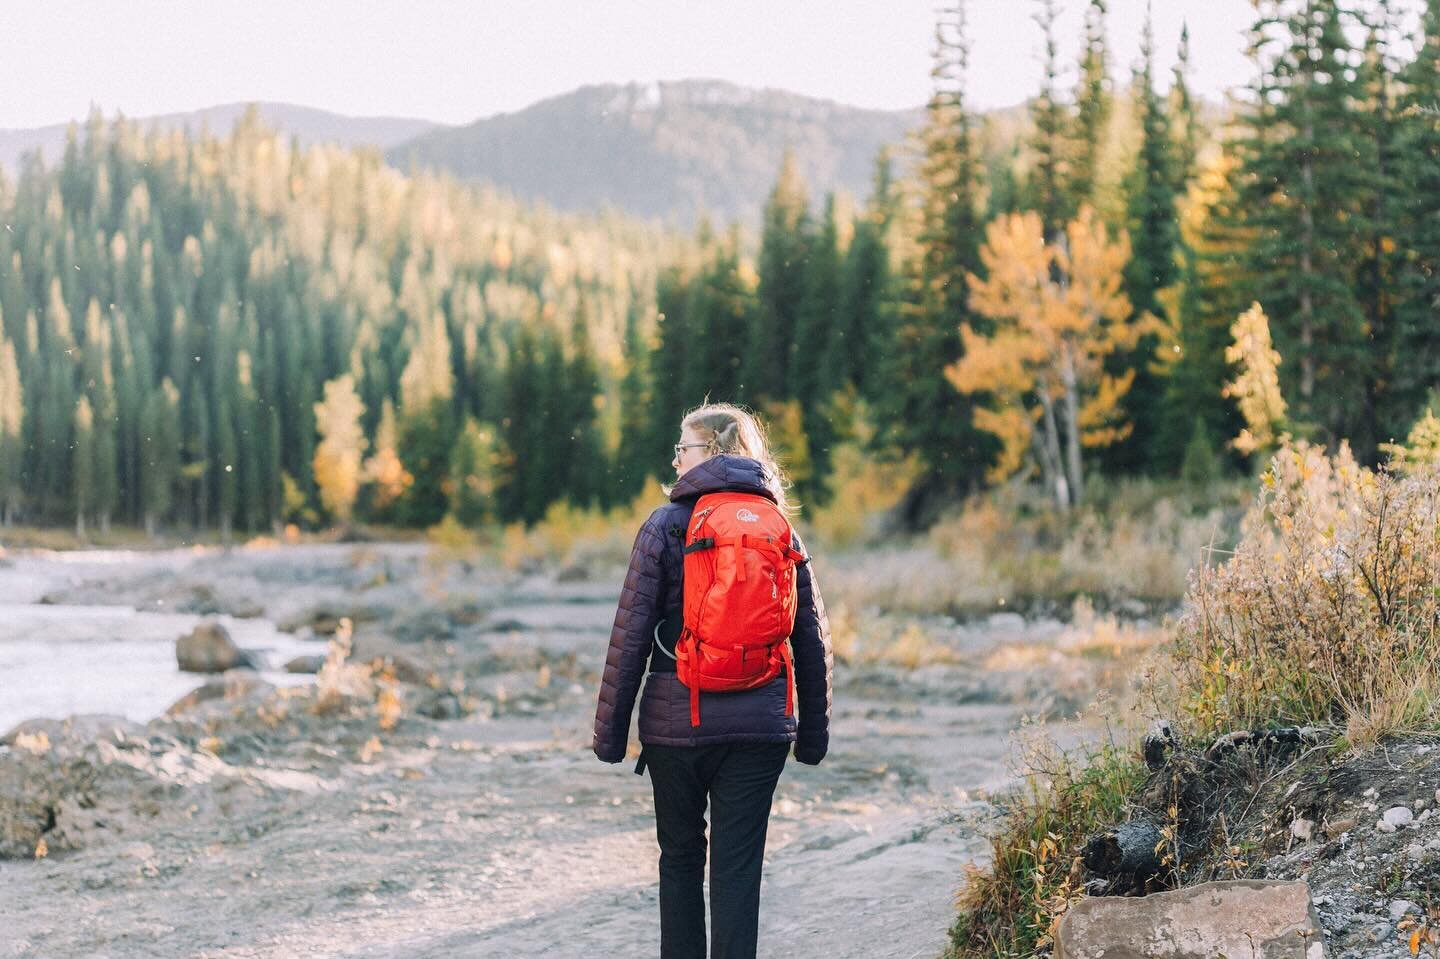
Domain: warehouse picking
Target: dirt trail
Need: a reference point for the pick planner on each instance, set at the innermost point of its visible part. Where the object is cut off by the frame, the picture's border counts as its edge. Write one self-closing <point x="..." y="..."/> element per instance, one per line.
<point x="497" y="834"/>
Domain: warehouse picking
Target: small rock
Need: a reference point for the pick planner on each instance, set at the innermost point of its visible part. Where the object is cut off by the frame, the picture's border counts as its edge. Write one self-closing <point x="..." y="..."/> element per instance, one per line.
<point x="442" y="706"/>
<point x="305" y="664"/>
<point x="208" y="648"/>
<point x="1398" y="816"/>
<point x="1400" y="908"/>
<point x="1384" y="825"/>
<point x="1302" y="829"/>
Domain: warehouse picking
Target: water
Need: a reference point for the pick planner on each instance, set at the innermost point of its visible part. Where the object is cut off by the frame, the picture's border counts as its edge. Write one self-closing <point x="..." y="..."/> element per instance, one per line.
<point x="59" y="660"/>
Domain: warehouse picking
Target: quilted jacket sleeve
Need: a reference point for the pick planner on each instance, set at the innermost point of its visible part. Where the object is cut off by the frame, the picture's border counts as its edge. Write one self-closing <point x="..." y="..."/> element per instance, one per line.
<point x="630" y="640"/>
<point x="814" y="666"/>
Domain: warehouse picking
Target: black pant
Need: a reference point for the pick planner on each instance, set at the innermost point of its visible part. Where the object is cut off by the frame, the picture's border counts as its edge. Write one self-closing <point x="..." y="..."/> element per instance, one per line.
<point x="739" y="780"/>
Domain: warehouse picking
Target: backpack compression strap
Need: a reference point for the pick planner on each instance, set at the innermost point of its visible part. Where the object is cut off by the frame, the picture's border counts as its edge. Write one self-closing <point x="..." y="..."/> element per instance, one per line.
<point x="785" y="656"/>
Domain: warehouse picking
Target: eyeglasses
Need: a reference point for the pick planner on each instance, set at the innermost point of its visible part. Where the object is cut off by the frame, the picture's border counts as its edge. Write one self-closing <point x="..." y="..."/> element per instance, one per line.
<point x="679" y="447"/>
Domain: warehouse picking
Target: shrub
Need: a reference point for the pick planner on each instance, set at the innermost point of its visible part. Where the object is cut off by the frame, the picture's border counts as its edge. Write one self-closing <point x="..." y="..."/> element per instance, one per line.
<point x="1327" y="611"/>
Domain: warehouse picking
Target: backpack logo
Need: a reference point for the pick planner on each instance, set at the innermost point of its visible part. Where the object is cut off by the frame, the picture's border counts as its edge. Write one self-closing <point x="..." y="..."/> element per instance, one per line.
<point x="745" y="516"/>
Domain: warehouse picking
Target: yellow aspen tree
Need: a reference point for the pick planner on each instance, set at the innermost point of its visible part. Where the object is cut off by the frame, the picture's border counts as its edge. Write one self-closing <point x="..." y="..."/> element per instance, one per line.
<point x="1256" y="390"/>
<point x="342" y="445"/>
<point x="1056" y="312"/>
<point x="1420" y="449"/>
<point x="384" y="468"/>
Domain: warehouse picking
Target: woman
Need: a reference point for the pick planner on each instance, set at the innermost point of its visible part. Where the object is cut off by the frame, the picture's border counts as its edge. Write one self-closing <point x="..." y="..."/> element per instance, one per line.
<point x="733" y="757"/>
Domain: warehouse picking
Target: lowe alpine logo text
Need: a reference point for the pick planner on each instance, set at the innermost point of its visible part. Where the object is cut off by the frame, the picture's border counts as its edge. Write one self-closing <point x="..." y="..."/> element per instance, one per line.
<point x="745" y="516"/>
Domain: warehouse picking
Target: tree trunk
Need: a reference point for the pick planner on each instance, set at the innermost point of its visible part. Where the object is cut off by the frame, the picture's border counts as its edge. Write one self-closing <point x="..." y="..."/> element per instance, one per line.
<point x="1055" y="478"/>
<point x="1073" y="463"/>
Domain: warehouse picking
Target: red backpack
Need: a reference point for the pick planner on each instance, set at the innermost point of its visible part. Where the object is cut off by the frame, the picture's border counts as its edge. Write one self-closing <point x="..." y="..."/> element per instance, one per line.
<point x="740" y="598"/>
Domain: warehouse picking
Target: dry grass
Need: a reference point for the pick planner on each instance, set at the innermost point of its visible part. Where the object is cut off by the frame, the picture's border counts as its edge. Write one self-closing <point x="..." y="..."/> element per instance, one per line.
<point x="1006" y="550"/>
<point x="1011" y="907"/>
<point x="338" y="679"/>
<point x="865" y="639"/>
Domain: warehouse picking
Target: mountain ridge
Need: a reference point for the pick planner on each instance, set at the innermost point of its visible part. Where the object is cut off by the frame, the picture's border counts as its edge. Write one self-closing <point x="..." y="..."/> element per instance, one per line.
<point x="666" y="150"/>
<point x="308" y="124"/>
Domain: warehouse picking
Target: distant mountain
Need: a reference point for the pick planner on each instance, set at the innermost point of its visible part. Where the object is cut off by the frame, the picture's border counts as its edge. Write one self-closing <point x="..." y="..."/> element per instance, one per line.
<point x="667" y="151"/>
<point x="308" y="125"/>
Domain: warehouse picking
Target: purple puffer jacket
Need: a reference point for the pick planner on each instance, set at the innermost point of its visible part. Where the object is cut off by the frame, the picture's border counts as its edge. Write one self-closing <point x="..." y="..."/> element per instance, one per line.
<point x="653" y="591"/>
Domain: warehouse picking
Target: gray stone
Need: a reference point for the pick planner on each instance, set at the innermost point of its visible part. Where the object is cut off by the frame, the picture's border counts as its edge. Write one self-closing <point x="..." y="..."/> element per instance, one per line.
<point x="1400" y="907"/>
<point x="305" y="664"/>
<point x="208" y="648"/>
<point x="1245" y="917"/>
<point x="1398" y="816"/>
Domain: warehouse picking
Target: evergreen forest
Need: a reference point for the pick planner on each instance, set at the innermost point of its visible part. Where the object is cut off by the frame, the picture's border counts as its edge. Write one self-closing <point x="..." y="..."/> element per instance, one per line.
<point x="235" y="333"/>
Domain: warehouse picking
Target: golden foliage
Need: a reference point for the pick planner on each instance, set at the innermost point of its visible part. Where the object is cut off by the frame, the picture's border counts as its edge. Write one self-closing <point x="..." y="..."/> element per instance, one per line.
<point x="384" y="468"/>
<point x="1421" y="448"/>
<point x="342" y="444"/>
<point x="1256" y="390"/>
<point x="1057" y="311"/>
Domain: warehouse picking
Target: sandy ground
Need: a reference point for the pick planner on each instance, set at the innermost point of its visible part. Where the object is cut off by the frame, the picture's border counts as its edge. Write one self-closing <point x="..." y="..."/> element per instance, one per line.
<point x="495" y="834"/>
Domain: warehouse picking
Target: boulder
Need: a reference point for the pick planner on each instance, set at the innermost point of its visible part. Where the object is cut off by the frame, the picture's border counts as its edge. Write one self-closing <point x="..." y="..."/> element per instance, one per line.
<point x="208" y="648"/>
<point x="1243" y="917"/>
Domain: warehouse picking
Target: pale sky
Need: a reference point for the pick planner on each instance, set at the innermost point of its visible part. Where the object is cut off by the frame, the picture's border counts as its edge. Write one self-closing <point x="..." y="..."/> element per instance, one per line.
<point x="457" y="60"/>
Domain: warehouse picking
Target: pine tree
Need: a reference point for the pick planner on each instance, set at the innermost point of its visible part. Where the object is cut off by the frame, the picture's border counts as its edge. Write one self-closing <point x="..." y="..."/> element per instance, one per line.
<point x="813" y="373"/>
<point x="1154" y="231"/>
<point x="1300" y="194"/>
<point x="1046" y="190"/>
<point x="1184" y="125"/>
<point x="865" y="327"/>
<point x="631" y="462"/>
<point x="922" y="411"/>
<point x="1376" y="227"/>
<point x="1417" y="160"/>
<point x="1093" y="103"/>
<point x="584" y="457"/>
<point x="473" y="464"/>
<point x="784" y="252"/>
<point x="160" y="453"/>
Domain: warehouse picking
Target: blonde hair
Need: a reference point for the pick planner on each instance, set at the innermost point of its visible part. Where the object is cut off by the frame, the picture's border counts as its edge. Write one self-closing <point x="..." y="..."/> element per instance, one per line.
<point x="729" y="429"/>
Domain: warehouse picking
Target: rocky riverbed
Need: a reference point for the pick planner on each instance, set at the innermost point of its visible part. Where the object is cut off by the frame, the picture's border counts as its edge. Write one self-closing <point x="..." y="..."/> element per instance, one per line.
<point x="445" y="802"/>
